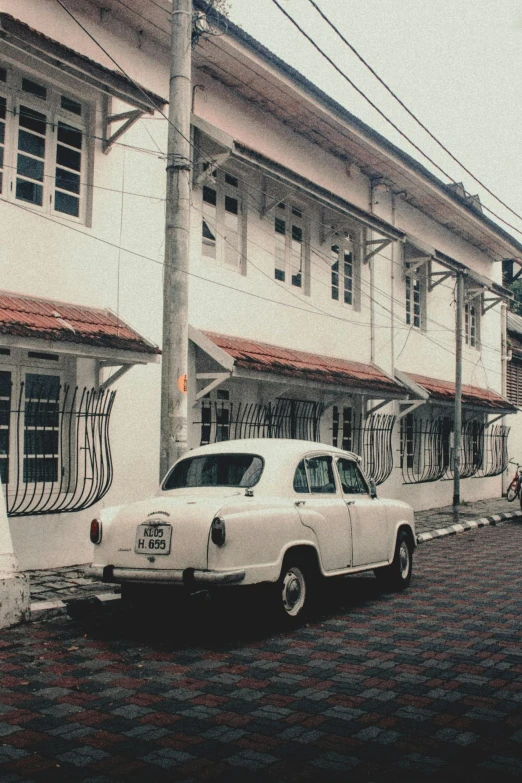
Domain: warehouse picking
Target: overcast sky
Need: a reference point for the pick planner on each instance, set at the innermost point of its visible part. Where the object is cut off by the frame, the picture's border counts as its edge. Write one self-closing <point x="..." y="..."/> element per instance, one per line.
<point x="457" y="64"/>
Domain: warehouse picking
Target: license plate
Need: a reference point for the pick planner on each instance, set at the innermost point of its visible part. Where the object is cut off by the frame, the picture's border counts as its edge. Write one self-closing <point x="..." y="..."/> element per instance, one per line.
<point x="153" y="539"/>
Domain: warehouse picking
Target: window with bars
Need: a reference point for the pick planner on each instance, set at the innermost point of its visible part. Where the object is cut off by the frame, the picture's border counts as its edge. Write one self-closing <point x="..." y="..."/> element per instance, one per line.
<point x="342" y="273"/>
<point x="222" y="225"/>
<point x="289" y="245"/>
<point x="43" y="150"/>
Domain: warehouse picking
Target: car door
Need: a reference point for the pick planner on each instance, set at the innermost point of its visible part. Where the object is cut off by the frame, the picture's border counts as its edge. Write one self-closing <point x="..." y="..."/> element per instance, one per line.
<point x="323" y="509"/>
<point x="370" y="533"/>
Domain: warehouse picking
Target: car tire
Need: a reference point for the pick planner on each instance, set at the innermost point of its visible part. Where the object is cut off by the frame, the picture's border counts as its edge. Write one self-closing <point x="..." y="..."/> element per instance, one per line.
<point x="294" y="591"/>
<point x="397" y="576"/>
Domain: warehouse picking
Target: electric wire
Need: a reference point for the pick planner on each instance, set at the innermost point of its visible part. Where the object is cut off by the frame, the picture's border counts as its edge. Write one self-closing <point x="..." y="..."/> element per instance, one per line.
<point x="409" y="111"/>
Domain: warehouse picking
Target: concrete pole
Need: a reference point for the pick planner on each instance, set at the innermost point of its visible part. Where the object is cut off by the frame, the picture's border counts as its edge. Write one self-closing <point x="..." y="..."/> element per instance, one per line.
<point x="458" y="392"/>
<point x="174" y="382"/>
<point x="14" y="587"/>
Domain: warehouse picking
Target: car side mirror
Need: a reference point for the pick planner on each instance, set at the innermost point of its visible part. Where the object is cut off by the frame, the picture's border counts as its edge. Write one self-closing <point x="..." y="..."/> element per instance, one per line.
<point x="373" y="488"/>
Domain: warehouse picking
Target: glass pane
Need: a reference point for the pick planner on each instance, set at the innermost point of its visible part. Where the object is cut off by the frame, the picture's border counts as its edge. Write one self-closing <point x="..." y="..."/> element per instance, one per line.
<point x="3" y="106"/>
<point x="2" y="132"/>
<point x="4" y="471"/>
<point x="351" y="479"/>
<point x="70" y="105"/>
<point x="5" y="384"/>
<point x="70" y="136"/>
<point x="33" y="120"/>
<point x="209" y="195"/>
<point x="300" y="479"/>
<point x="40" y="469"/>
<point x="231" y="205"/>
<point x="69" y="158"/>
<point x="3" y="74"/>
<point x="69" y="205"/>
<point x="44" y="442"/>
<point x="4" y="442"/>
<point x="216" y="470"/>
<point x="1" y="157"/>
<point x="29" y="191"/>
<point x="279" y="226"/>
<point x="42" y="386"/>
<point x="34" y="88"/>
<point x="230" y="180"/>
<point x="321" y="475"/>
<point x="66" y="180"/>
<point x="30" y="167"/>
<point x="28" y="142"/>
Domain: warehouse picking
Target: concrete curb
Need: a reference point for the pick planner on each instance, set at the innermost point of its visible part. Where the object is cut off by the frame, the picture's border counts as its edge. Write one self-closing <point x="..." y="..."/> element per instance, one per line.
<point x="465" y="527"/>
<point x="41" y="611"/>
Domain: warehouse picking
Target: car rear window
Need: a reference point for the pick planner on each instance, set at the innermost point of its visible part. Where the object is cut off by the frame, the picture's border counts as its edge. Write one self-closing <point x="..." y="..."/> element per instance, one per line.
<point x="216" y="470"/>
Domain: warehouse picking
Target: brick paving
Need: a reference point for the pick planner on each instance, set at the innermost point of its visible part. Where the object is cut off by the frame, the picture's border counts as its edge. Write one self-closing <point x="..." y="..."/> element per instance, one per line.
<point x="423" y="685"/>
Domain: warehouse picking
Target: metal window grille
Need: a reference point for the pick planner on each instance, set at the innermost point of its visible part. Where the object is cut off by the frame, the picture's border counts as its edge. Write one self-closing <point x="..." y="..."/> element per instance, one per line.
<point x="494" y="450"/>
<point x="372" y="440"/>
<point x="422" y="449"/>
<point x="58" y="455"/>
<point x="471" y="450"/>
<point x="284" y="418"/>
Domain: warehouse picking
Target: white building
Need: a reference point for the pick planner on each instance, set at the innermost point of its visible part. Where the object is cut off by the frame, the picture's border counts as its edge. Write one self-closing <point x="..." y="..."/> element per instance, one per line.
<point x="323" y="265"/>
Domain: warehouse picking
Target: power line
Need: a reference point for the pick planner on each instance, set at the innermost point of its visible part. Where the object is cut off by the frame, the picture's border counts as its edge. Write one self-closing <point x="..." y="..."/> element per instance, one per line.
<point x="409" y="112"/>
<point x="378" y="110"/>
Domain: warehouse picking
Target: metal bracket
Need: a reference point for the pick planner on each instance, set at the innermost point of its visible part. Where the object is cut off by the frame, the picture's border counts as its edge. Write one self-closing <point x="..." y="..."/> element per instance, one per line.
<point x="412" y="405"/>
<point x="492" y="302"/>
<point x="340" y="231"/>
<point x="472" y="292"/>
<point x="379" y="405"/>
<point x="216" y="379"/>
<point x="269" y="203"/>
<point x="207" y="168"/>
<point x="442" y="277"/>
<point x="273" y="393"/>
<point x="501" y="416"/>
<point x="128" y="118"/>
<point x="379" y="244"/>
<point x="115" y="375"/>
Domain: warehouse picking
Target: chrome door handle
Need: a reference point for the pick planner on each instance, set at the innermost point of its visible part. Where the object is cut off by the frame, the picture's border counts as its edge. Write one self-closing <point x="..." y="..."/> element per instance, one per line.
<point x="349" y="502"/>
<point x="300" y="502"/>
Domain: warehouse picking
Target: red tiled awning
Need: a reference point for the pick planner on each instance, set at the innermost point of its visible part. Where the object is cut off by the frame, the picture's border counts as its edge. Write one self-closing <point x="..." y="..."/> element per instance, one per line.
<point x="262" y="357"/>
<point x="444" y="391"/>
<point x="46" y="319"/>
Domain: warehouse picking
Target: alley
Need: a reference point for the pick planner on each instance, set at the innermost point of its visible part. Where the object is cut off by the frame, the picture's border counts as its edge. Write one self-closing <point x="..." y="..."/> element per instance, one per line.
<point x="414" y="686"/>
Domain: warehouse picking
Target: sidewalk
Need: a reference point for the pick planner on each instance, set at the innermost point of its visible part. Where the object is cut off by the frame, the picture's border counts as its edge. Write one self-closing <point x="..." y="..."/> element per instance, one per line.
<point x="51" y="588"/>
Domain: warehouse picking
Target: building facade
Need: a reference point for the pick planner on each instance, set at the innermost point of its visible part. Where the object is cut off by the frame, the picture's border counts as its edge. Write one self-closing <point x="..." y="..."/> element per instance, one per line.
<point x="321" y="284"/>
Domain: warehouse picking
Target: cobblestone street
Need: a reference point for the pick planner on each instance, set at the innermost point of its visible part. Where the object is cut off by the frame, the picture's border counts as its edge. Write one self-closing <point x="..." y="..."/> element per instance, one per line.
<point x="421" y="685"/>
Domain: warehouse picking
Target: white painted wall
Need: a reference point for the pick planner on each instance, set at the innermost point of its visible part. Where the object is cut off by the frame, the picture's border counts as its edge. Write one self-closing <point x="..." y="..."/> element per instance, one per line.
<point x="82" y="264"/>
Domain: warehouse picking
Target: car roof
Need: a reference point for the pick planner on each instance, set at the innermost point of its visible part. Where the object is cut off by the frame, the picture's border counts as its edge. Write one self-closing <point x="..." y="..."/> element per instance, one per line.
<point x="268" y="448"/>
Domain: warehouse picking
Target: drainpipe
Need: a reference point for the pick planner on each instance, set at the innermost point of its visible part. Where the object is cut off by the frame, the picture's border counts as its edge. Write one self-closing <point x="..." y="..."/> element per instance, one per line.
<point x="14" y="587"/>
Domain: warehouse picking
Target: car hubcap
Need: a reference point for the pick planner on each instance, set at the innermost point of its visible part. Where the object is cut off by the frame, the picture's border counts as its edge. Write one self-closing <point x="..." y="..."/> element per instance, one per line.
<point x="294" y="591"/>
<point x="404" y="560"/>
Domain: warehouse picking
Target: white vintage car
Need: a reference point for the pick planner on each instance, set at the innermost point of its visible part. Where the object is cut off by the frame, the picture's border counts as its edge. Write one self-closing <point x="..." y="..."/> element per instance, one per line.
<point x="282" y="513"/>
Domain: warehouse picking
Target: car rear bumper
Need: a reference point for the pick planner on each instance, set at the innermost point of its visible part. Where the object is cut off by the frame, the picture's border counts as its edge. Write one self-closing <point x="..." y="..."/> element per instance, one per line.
<point x="166" y="576"/>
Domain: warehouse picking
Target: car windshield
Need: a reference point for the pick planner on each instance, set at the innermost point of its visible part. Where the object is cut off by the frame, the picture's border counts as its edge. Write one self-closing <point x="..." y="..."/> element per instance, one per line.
<point x="216" y="470"/>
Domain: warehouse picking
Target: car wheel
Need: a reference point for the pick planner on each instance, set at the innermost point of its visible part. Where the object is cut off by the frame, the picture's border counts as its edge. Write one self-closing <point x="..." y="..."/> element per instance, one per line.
<point x="293" y="591"/>
<point x="397" y="576"/>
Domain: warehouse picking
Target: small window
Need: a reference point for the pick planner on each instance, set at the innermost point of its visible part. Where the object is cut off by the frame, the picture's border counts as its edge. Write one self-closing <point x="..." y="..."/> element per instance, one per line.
<point x="301" y="479"/>
<point x="352" y="480"/>
<point x="3" y="74"/>
<point x="472" y="322"/>
<point x="216" y="470"/>
<point x="342" y="427"/>
<point x="342" y="272"/>
<point x="34" y="88"/>
<point x="320" y="472"/>
<point x="72" y="106"/>
<point x="221" y="227"/>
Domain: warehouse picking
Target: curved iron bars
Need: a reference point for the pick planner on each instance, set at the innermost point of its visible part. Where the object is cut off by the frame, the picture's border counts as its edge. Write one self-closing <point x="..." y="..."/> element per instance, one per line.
<point x="373" y="442"/>
<point x="424" y="455"/>
<point x="285" y="418"/>
<point x="495" y="451"/>
<point x="60" y="449"/>
<point x="471" y="451"/>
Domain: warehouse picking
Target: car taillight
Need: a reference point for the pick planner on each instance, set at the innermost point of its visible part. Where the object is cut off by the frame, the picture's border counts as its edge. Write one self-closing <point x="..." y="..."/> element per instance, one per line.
<point x="96" y="531"/>
<point x="218" y="531"/>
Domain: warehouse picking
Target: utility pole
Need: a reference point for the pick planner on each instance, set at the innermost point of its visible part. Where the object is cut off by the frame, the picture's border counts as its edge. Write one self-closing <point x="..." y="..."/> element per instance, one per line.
<point x="174" y="371"/>
<point x="457" y="435"/>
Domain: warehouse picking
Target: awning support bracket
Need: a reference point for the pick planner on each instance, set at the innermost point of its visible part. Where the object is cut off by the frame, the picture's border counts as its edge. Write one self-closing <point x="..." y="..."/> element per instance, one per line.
<point x="379" y="405"/>
<point x="492" y="301"/>
<point x="268" y="203"/>
<point x="378" y="245"/>
<point x="215" y="378"/>
<point x="411" y="406"/>
<point x="119" y="373"/>
<point x="442" y="276"/>
<point x="206" y="168"/>
<point x="127" y="117"/>
<point x="472" y="292"/>
<point x="501" y="416"/>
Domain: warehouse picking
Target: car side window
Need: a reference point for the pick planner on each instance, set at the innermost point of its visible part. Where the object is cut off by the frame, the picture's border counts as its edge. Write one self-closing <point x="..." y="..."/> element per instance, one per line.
<point x="352" y="480"/>
<point x="300" y="478"/>
<point x="320" y="472"/>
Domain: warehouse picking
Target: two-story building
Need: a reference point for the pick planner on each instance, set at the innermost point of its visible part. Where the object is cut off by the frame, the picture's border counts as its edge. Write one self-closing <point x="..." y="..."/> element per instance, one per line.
<point x="321" y="283"/>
